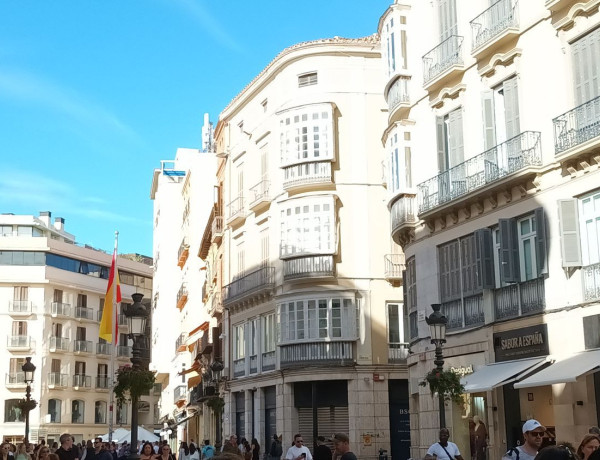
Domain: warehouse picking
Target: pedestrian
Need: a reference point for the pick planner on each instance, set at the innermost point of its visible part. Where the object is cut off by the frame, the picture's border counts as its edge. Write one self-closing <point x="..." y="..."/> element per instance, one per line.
<point x="322" y="451"/>
<point x="594" y="430"/>
<point x="561" y="452"/>
<point x="231" y="445"/>
<point x="444" y="449"/>
<point x="276" y="450"/>
<point x="533" y="433"/>
<point x="208" y="451"/>
<point x="341" y="441"/>
<point x="588" y="445"/>
<point x="66" y="450"/>
<point x="255" y="446"/>
<point x="298" y="451"/>
<point x="43" y="453"/>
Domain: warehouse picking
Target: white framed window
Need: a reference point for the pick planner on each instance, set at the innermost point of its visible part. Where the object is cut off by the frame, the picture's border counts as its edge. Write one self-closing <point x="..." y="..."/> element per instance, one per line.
<point x="307" y="79"/>
<point x="397" y="320"/>
<point x="500" y="109"/>
<point x="306" y="134"/>
<point x="239" y="345"/>
<point x="6" y="230"/>
<point x="450" y="143"/>
<point x="393" y="42"/>
<point x="268" y="333"/>
<point x="333" y="318"/>
<point x="585" y="54"/>
<point x="527" y="254"/>
<point x="308" y="226"/>
<point x="589" y="221"/>
<point x="254" y="337"/>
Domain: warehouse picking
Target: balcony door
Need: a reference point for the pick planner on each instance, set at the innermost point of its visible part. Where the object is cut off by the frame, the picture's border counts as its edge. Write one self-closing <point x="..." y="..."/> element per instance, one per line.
<point x="55" y="366"/>
<point x="447" y="19"/>
<point x="81" y="334"/>
<point x="80" y="368"/>
<point x="19" y="328"/>
<point x="58" y="296"/>
<point x="57" y="330"/>
<point x="21" y="293"/>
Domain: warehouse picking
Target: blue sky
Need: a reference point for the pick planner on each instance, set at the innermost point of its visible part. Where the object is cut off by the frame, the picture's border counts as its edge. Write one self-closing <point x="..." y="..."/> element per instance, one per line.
<point x="94" y="93"/>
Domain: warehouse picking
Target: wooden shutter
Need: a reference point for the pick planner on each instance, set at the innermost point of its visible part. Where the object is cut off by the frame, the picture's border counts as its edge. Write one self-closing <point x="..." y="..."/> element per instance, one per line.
<point x="586" y="57"/>
<point x="455" y="138"/>
<point x="568" y="224"/>
<point x="489" y="119"/>
<point x="447" y="18"/>
<point x="468" y="265"/>
<point x="444" y="272"/>
<point x="441" y="144"/>
<point x="509" y="251"/>
<point x="485" y="258"/>
<point x="541" y="241"/>
<point x="511" y="108"/>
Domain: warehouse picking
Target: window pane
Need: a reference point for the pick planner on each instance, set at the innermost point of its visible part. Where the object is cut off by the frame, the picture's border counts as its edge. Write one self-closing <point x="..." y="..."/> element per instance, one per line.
<point x="393" y="324"/>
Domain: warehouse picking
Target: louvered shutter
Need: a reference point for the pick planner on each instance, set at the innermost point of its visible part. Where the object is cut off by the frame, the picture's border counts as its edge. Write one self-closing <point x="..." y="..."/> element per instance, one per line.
<point x="441" y="144"/>
<point x="485" y="258"/>
<point x="455" y="138"/>
<point x="568" y="224"/>
<point x="511" y="108"/>
<point x="509" y="251"/>
<point x="541" y="241"/>
<point x="489" y="119"/>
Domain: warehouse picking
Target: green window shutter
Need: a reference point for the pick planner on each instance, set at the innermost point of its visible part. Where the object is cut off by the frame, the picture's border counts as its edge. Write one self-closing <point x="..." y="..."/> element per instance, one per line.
<point x="485" y="258"/>
<point x="541" y="241"/>
<point x="568" y="225"/>
<point x="509" y="251"/>
<point x="489" y="119"/>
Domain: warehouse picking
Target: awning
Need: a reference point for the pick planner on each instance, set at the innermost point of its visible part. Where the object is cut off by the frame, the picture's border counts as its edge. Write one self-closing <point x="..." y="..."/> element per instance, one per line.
<point x="496" y="374"/>
<point x="564" y="370"/>
<point x="193" y="381"/>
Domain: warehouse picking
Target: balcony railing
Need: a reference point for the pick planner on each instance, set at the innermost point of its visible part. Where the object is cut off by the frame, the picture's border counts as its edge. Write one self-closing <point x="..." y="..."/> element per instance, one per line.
<point x="19" y="341"/>
<point x="259" y="194"/>
<point x="183" y="252"/>
<point x="465" y="312"/>
<point x="499" y="17"/>
<point x="268" y="361"/>
<point x="83" y="346"/>
<point x="180" y="393"/>
<point x="58" y="380"/>
<point x="102" y="382"/>
<point x="180" y="342"/>
<point x="520" y="299"/>
<point x="443" y="57"/>
<point x="15" y="379"/>
<point x="239" y="367"/>
<point x="314" y="172"/>
<point x="397" y="352"/>
<point x="82" y="381"/>
<point x="236" y="209"/>
<point x="394" y="266"/>
<point x="216" y="305"/>
<point x="182" y="296"/>
<point x="403" y="212"/>
<point x="60" y="309"/>
<point x="20" y="307"/>
<point x="591" y="282"/>
<point x="577" y="126"/>
<point x="59" y="344"/>
<point x="84" y="313"/>
<point x="217" y="228"/>
<point x="263" y="278"/>
<point x="308" y="267"/>
<point x="398" y="93"/>
<point x="501" y="161"/>
<point x="123" y="351"/>
<point x="301" y="354"/>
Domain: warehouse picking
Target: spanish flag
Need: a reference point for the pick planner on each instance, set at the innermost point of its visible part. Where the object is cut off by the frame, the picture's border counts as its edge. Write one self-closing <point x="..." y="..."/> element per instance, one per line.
<point x="111" y="302"/>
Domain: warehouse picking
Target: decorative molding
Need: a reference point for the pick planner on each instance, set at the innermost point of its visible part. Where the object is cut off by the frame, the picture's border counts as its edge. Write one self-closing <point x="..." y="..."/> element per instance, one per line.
<point x="500" y="59"/>
<point x="581" y="9"/>
<point x="446" y="94"/>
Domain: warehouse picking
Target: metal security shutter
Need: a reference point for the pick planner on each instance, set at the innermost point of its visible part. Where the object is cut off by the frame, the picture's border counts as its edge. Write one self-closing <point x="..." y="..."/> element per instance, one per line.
<point x="330" y="420"/>
<point x="305" y="426"/>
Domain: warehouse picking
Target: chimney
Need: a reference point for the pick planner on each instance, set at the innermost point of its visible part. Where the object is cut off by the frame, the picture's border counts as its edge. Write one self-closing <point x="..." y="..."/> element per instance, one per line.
<point x="45" y="217"/>
<point x="59" y="223"/>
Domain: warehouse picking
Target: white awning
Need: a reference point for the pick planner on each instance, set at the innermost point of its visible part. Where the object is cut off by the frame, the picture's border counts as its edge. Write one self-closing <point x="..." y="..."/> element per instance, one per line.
<point x="564" y="370"/>
<point x="493" y="375"/>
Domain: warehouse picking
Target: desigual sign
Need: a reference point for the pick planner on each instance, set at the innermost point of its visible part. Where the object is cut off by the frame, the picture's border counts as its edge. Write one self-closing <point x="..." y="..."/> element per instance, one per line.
<point x="526" y="342"/>
<point x="463" y="370"/>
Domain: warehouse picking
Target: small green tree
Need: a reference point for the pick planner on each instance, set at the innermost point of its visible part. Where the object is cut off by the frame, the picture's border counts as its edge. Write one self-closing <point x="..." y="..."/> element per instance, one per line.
<point x="133" y="383"/>
<point x="446" y="383"/>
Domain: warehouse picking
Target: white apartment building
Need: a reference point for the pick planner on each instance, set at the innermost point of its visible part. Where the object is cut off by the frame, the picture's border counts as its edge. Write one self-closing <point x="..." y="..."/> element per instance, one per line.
<point x="492" y="146"/>
<point x="314" y="325"/>
<point x="182" y="191"/>
<point x="51" y="299"/>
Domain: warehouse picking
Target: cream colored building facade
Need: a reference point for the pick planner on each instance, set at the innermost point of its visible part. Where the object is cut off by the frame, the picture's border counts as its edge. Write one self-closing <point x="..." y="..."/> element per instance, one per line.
<point x="313" y="320"/>
<point x="51" y="297"/>
<point x="492" y="151"/>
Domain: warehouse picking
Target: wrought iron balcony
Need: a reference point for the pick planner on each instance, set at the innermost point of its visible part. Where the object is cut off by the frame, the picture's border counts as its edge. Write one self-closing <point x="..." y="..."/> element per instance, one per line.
<point x="403" y="213"/>
<point x="183" y="253"/>
<point x="398" y="96"/>
<point x="258" y="282"/>
<point x="217" y="229"/>
<point x="330" y="353"/>
<point x="82" y="346"/>
<point x="503" y="160"/>
<point x="236" y="211"/>
<point x="577" y="126"/>
<point x="102" y="382"/>
<point x="60" y="309"/>
<point x="59" y="344"/>
<point x="465" y="312"/>
<point x="84" y="313"/>
<point x="314" y="172"/>
<point x="309" y="267"/>
<point x="15" y="380"/>
<point x="180" y="342"/>
<point x="520" y="299"/>
<point x="490" y="25"/>
<point x="397" y="352"/>
<point x="20" y="307"/>
<point x="394" y="266"/>
<point x="182" y="296"/>
<point x="82" y="381"/>
<point x="442" y="59"/>
<point x="180" y="393"/>
<point x="260" y="197"/>
<point x="58" y="380"/>
<point x="19" y="342"/>
<point x="591" y="282"/>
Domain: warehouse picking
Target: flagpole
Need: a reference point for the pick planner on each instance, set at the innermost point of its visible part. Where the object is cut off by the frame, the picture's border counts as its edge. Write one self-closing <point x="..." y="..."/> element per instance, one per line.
<point x="114" y="351"/>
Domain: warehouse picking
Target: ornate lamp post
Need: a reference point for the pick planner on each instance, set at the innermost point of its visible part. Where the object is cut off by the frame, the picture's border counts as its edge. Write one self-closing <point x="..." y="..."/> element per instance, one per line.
<point x="137" y="315"/>
<point x="437" y="326"/>
<point x="28" y="369"/>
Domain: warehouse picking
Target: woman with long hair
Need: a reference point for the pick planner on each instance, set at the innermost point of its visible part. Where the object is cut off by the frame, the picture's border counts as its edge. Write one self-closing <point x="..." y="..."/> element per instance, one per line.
<point x="255" y="446"/>
<point x="194" y="453"/>
<point x="184" y="451"/>
<point x="42" y="453"/>
<point x="165" y="453"/>
<point x="589" y="444"/>
<point x="22" y="452"/>
<point x="147" y="451"/>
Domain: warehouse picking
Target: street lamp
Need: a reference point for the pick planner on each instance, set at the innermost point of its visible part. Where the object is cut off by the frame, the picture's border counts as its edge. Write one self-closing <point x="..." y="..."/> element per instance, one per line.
<point x="28" y="369"/>
<point x="137" y="315"/>
<point x="437" y="326"/>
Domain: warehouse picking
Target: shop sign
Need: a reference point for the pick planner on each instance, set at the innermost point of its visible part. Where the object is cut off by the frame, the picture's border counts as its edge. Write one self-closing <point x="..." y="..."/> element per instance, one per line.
<point x="526" y="342"/>
<point x="462" y="370"/>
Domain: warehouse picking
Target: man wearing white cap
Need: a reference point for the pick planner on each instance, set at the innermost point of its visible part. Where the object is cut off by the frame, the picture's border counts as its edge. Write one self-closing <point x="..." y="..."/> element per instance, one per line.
<point x="533" y="432"/>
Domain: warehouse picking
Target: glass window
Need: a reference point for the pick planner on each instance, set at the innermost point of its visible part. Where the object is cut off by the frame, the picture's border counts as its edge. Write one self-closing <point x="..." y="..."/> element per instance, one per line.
<point x="54" y="410"/>
<point x="100" y="412"/>
<point x="6" y="230"/>
<point x="268" y="333"/>
<point x="240" y="341"/>
<point x="397" y="323"/>
<point x="12" y="412"/>
<point x="77" y="411"/>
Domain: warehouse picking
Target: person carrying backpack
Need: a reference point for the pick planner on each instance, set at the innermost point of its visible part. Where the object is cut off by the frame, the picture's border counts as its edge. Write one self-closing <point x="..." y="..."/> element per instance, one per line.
<point x="533" y="433"/>
<point x="208" y="451"/>
<point x="276" y="450"/>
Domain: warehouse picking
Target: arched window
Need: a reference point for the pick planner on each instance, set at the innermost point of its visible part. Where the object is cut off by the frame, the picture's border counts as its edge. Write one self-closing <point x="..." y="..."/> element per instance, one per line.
<point x="54" y="410"/>
<point x="12" y="411"/>
<point x="122" y="414"/>
<point x="100" y="412"/>
<point x="77" y="411"/>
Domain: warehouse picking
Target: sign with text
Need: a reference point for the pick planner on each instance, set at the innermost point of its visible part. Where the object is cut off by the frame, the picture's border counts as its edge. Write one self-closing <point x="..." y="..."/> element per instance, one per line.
<point x="526" y="342"/>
